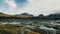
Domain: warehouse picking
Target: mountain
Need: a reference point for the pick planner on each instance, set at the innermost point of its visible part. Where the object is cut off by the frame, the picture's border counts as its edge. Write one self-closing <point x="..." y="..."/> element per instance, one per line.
<point x="24" y="15"/>
<point x="4" y="15"/>
<point x="41" y="15"/>
<point x="30" y="16"/>
<point x="54" y="15"/>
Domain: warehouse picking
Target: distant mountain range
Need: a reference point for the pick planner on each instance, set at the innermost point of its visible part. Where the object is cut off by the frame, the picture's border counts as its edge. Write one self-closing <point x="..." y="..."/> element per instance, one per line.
<point x="26" y="15"/>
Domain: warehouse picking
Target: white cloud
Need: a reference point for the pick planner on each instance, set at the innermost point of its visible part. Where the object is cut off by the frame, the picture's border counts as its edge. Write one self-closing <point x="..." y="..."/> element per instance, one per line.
<point x="36" y="7"/>
<point x="11" y="3"/>
<point x="41" y="6"/>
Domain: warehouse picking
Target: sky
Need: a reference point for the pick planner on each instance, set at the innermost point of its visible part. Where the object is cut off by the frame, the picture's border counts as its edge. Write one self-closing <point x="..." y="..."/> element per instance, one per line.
<point x="34" y="7"/>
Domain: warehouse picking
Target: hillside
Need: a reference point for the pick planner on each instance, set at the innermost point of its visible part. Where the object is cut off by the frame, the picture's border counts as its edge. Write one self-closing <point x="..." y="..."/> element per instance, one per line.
<point x="4" y="15"/>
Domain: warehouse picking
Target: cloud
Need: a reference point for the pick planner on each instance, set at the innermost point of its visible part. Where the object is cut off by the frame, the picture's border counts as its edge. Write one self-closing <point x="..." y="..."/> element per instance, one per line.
<point x="11" y="3"/>
<point x="34" y="7"/>
<point x="45" y="7"/>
